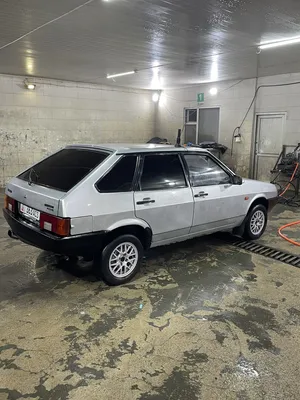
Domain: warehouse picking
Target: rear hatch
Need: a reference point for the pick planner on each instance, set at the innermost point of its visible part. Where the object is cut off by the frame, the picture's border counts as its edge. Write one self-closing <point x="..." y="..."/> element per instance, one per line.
<point x="41" y="187"/>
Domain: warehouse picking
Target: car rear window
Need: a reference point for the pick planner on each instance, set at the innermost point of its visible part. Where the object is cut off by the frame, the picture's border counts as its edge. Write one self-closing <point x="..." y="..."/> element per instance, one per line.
<point x="63" y="170"/>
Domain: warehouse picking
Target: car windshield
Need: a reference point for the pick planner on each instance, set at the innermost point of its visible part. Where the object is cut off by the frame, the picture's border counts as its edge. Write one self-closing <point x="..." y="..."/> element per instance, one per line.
<point x="63" y="170"/>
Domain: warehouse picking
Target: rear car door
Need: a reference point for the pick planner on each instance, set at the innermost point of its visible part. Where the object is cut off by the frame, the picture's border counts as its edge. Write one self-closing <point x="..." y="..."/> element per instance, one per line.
<point x="163" y="198"/>
<point x="218" y="203"/>
<point x="115" y="198"/>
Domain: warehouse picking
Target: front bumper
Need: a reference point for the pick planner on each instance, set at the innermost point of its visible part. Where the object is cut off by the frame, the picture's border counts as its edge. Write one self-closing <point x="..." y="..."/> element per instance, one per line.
<point x="79" y="245"/>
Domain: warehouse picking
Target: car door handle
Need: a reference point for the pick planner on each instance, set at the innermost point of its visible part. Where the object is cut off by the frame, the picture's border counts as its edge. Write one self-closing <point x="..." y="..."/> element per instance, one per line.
<point x="201" y="194"/>
<point x="147" y="200"/>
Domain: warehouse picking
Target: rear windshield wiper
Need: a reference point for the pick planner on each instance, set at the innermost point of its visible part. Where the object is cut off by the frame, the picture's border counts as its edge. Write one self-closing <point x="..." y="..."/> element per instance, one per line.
<point x="30" y="181"/>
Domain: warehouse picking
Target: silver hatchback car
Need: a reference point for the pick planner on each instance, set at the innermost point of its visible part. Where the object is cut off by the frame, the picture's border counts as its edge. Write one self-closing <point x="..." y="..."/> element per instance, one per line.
<point x="113" y="202"/>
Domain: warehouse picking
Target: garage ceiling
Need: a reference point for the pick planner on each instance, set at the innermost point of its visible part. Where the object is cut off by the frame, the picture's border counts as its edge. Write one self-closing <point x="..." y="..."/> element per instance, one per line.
<point x="192" y="41"/>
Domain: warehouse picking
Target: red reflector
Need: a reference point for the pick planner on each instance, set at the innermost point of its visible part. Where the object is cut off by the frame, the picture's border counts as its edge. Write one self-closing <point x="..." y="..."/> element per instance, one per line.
<point x="9" y="204"/>
<point x="59" y="226"/>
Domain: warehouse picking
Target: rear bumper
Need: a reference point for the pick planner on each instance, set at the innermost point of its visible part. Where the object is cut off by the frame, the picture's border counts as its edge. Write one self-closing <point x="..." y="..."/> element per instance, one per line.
<point x="78" y="245"/>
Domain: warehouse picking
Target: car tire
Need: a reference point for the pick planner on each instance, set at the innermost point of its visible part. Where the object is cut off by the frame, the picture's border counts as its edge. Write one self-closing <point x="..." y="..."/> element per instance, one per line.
<point x="255" y="223"/>
<point x="120" y="260"/>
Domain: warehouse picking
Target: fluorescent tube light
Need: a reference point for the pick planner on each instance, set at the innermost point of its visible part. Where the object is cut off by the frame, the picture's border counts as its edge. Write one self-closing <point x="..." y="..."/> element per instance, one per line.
<point x="122" y="74"/>
<point x="278" y="43"/>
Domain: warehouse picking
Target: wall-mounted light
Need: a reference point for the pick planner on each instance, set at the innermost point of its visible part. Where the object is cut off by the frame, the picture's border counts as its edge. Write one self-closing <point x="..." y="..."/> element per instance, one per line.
<point x="278" y="43"/>
<point x="155" y="97"/>
<point x="121" y="74"/>
<point x="213" y="91"/>
<point x="29" y="85"/>
<point x="238" y="136"/>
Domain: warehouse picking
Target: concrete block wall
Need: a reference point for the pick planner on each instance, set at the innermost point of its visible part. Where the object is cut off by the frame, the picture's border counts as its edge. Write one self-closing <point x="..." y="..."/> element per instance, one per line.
<point x="35" y="123"/>
<point x="282" y="99"/>
<point x="233" y="99"/>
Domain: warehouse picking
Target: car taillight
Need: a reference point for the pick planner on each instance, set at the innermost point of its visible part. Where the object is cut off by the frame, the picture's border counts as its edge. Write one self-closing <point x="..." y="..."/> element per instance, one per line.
<point x="59" y="226"/>
<point x="9" y="204"/>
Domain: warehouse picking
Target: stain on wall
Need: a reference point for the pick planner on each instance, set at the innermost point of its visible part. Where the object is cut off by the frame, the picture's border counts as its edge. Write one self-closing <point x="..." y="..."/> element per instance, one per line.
<point x="36" y="123"/>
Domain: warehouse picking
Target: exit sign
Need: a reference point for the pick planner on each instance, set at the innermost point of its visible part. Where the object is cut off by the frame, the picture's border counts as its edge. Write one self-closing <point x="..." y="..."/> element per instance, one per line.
<point x="200" y="97"/>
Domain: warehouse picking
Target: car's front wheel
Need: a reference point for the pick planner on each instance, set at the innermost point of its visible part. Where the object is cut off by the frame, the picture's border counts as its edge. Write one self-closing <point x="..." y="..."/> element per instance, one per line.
<point x="121" y="259"/>
<point x="256" y="222"/>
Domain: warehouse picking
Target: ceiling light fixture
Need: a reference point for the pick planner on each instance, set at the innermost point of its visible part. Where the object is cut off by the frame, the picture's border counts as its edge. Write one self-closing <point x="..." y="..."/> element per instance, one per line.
<point x="155" y="97"/>
<point x="29" y="85"/>
<point x="278" y="43"/>
<point x="213" y="91"/>
<point x="121" y="74"/>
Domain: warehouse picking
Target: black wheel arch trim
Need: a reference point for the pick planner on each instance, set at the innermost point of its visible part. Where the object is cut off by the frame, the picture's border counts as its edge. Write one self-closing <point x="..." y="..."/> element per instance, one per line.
<point x="79" y="245"/>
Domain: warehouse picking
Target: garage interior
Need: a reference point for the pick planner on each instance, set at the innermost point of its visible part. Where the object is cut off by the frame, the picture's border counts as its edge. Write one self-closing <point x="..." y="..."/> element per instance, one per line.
<point x="203" y="319"/>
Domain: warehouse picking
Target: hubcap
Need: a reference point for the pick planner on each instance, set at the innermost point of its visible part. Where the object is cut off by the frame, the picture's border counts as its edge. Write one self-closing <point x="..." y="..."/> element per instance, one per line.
<point x="257" y="222"/>
<point x="123" y="260"/>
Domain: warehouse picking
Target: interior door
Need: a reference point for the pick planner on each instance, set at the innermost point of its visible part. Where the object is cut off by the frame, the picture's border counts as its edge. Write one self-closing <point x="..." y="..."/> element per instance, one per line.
<point x="164" y="199"/>
<point x="269" y="140"/>
<point x="218" y="203"/>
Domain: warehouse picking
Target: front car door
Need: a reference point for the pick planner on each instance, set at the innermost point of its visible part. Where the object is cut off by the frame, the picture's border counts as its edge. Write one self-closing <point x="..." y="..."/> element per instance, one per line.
<point x="163" y="198"/>
<point x="218" y="203"/>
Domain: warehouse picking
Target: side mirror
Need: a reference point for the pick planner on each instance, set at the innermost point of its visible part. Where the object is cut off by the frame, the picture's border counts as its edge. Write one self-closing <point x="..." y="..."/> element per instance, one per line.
<point x="237" y="180"/>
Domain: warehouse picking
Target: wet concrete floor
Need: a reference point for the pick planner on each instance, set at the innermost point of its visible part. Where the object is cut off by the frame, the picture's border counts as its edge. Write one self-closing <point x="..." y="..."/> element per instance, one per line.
<point x="202" y="320"/>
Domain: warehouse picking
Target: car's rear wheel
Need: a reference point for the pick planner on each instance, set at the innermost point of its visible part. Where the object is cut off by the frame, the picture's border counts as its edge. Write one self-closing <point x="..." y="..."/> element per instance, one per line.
<point x="256" y="222"/>
<point x="121" y="260"/>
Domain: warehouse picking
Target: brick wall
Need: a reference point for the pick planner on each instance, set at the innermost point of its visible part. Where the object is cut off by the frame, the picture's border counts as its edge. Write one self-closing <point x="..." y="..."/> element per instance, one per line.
<point x="36" y="123"/>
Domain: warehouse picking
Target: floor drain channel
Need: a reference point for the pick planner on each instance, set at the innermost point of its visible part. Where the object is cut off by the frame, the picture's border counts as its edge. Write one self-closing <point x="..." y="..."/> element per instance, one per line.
<point x="267" y="251"/>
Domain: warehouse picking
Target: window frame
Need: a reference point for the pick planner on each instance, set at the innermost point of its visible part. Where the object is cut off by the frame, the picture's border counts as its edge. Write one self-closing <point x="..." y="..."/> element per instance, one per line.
<point x="187" y="120"/>
<point x="213" y="158"/>
<point x="103" y="151"/>
<point x="166" y="154"/>
<point x="137" y="162"/>
<point x="196" y="123"/>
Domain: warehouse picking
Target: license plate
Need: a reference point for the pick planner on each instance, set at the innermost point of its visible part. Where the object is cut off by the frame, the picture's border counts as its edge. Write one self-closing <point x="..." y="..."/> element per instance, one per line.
<point x="29" y="212"/>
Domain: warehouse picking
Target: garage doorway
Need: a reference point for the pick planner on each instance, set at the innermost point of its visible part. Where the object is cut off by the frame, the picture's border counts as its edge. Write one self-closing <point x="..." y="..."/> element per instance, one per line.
<point x="268" y="143"/>
<point x="202" y="125"/>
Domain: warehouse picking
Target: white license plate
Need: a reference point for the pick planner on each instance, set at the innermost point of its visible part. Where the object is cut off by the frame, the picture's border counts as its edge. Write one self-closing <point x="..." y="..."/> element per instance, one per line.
<point x="30" y="212"/>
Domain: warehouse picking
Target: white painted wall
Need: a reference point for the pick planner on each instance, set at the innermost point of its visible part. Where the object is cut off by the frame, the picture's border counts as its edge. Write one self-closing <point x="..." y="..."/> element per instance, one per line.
<point x="36" y="123"/>
<point x="33" y="124"/>
<point x="234" y="102"/>
<point x="282" y="99"/>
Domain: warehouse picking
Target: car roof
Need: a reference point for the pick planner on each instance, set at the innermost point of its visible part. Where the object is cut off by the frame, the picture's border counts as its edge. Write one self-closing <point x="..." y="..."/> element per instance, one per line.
<point x="125" y="148"/>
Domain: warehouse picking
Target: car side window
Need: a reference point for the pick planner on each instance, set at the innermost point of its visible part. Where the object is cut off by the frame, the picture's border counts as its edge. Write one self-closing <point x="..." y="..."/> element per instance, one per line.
<point x="120" y="177"/>
<point x="204" y="171"/>
<point x="162" y="172"/>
